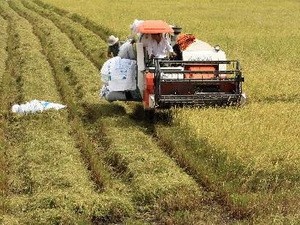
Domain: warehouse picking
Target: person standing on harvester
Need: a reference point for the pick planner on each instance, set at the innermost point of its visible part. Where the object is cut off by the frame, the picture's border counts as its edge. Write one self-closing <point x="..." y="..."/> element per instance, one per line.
<point x="158" y="46"/>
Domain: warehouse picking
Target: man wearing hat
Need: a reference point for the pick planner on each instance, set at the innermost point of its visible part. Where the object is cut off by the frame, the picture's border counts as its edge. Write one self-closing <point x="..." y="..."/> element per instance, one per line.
<point x="177" y="31"/>
<point x="176" y="49"/>
<point x="113" y="46"/>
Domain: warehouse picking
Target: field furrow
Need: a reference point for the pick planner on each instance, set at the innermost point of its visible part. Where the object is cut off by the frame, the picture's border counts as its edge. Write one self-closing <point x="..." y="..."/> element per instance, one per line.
<point x="85" y="40"/>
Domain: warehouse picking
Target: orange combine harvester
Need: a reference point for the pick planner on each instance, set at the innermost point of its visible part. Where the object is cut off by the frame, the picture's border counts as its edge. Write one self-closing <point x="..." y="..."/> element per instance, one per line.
<point x="203" y="77"/>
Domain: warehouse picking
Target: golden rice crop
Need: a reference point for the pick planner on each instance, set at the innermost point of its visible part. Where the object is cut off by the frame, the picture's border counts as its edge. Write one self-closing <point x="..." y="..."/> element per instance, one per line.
<point x="264" y="136"/>
<point x="253" y="160"/>
<point x="266" y="51"/>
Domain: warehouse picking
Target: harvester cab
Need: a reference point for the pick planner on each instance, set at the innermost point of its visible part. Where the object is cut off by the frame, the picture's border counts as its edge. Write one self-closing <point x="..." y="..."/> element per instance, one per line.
<point x="203" y="77"/>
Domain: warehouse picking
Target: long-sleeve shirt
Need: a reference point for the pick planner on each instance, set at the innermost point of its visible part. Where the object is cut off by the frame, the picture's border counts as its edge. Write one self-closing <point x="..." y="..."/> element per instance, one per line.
<point x="160" y="49"/>
<point x="127" y="51"/>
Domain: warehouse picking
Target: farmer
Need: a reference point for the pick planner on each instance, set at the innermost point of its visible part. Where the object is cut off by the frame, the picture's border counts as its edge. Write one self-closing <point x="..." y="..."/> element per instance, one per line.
<point x="177" y="31"/>
<point x="158" y="46"/>
<point x="113" y="46"/>
<point x="128" y="50"/>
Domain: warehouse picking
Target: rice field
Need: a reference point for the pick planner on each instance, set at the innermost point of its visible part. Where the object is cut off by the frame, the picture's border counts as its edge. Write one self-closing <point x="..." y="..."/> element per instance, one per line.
<point x="103" y="163"/>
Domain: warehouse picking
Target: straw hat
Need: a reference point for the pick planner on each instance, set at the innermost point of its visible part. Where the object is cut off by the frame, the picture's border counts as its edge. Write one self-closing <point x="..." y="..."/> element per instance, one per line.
<point x="112" y="40"/>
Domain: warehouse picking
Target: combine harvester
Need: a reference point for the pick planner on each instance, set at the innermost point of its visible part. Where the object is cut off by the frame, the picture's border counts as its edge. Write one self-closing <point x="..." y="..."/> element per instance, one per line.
<point x="203" y="77"/>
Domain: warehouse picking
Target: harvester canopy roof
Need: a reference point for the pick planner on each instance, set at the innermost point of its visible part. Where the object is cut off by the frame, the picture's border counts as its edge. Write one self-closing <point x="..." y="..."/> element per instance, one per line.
<point x="154" y="27"/>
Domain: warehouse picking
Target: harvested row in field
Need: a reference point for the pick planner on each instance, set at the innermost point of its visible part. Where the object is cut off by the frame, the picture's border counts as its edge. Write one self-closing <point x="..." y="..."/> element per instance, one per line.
<point x="11" y="80"/>
<point x="160" y="189"/>
<point x="85" y="40"/>
<point x="10" y="92"/>
<point x="4" y="55"/>
<point x="253" y="178"/>
<point x="29" y="63"/>
<point x="98" y="29"/>
<point x="74" y="65"/>
<point x="17" y="166"/>
<point x="23" y="60"/>
<point x="151" y="174"/>
<point x="55" y="185"/>
<point x="52" y="40"/>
